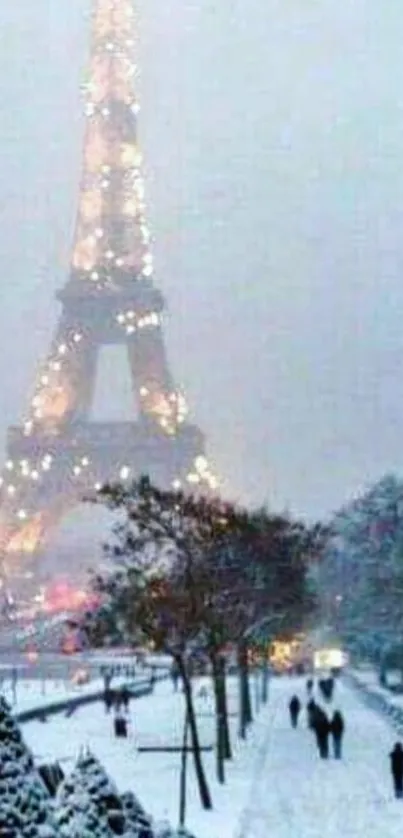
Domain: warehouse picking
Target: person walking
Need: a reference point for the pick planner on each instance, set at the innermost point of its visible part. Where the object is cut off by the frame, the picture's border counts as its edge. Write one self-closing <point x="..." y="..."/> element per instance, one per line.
<point x="322" y="729"/>
<point x="108" y="699"/>
<point x="329" y="688"/>
<point x="294" y="708"/>
<point x="309" y="686"/>
<point x="311" y="708"/>
<point x="175" y="676"/>
<point x="336" y="731"/>
<point x="396" y="765"/>
<point x="125" y="697"/>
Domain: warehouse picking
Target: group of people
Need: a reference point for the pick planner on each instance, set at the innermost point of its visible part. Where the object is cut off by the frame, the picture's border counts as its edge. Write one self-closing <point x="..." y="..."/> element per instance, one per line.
<point x="117" y="700"/>
<point x="325" y="729"/>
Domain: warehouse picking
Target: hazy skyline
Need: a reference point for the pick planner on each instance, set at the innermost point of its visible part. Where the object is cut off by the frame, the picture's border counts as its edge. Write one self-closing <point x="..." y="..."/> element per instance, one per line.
<point x="273" y="138"/>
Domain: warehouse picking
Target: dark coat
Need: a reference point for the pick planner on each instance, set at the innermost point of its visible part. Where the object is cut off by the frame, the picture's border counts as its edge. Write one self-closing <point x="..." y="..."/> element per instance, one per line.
<point x="125" y="696"/>
<point x="294" y="705"/>
<point x="321" y="722"/>
<point x="337" y="725"/>
<point x="311" y="710"/>
<point x="396" y="760"/>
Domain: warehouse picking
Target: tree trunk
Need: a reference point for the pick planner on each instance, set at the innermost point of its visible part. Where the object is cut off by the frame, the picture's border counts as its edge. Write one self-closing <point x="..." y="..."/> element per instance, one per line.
<point x="248" y="699"/>
<point x="183" y="778"/>
<point x="256" y="684"/>
<point x="204" y="790"/>
<point x="226" y="730"/>
<point x="245" y="705"/>
<point x="265" y="679"/>
<point x="217" y="686"/>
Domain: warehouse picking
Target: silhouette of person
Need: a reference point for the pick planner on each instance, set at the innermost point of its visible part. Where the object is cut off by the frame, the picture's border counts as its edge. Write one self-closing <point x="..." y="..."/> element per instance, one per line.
<point x="294" y="708"/>
<point x="322" y="729"/>
<point x="336" y="731"/>
<point x="396" y="765"/>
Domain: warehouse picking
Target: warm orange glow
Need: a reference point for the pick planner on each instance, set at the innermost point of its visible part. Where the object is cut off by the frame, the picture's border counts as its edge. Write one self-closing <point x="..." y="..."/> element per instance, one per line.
<point x="62" y="596"/>
<point x="130" y="156"/>
<point x="54" y="403"/>
<point x="91" y="204"/>
<point x="28" y="536"/>
<point x="111" y="19"/>
<point x="96" y="150"/>
<point x="85" y="253"/>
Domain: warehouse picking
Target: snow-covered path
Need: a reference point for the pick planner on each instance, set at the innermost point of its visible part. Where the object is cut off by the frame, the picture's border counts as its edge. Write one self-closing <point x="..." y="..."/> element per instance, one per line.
<point x="298" y="795"/>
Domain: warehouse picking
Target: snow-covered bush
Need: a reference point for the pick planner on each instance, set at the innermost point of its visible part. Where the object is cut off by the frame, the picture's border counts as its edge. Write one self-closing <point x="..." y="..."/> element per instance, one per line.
<point x="137" y="823"/>
<point x="25" y="805"/>
<point x="87" y="802"/>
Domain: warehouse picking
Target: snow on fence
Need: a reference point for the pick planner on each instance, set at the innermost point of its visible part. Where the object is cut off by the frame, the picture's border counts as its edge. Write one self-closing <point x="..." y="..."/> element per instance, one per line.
<point x="377" y="698"/>
<point x="69" y="704"/>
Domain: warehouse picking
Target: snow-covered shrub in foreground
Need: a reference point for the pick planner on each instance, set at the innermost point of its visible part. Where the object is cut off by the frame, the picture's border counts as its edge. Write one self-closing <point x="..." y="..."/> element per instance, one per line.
<point x="87" y="804"/>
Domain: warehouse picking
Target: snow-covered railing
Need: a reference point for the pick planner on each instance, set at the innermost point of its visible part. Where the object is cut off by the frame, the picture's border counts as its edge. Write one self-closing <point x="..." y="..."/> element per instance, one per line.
<point x="375" y="698"/>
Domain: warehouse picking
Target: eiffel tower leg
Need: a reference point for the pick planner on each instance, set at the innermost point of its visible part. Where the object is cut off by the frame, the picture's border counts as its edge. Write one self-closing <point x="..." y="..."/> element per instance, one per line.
<point x="152" y="379"/>
<point x="28" y="518"/>
<point x="65" y="383"/>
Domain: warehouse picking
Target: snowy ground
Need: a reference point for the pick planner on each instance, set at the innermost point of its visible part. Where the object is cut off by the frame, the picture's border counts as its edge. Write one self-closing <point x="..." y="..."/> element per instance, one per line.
<point x="277" y="786"/>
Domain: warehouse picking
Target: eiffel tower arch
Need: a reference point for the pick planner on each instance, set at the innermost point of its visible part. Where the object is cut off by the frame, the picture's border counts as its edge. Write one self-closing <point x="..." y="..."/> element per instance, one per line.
<point x="58" y="455"/>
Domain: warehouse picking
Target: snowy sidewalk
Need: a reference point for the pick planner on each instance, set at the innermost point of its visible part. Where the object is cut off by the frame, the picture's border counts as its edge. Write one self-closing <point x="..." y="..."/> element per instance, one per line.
<point x="297" y="795"/>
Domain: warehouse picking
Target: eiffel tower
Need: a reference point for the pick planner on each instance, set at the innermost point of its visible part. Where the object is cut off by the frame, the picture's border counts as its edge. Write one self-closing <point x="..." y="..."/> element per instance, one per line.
<point x="59" y="455"/>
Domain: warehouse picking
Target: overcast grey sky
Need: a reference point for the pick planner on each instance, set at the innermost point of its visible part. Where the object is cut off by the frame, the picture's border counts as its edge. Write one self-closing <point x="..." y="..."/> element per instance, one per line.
<point x="273" y="136"/>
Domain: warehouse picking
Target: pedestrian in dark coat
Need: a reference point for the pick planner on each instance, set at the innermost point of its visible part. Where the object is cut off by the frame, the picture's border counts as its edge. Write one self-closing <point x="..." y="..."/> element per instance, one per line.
<point x="309" y="686"/>
<point x="120" y="726"/>
<point x="125" y="697"/>
<point x="108" y="699"/>
<point x="322" y="687"/>
<point x="336" y="731"/>
<point x="322" y="729"/>
<point x="396" y="764"/>
<point x="294" y="708"/>
<point x="175" y="676"/>
<point x="329" y="688"/>
<point x="311" y="710"/>
<point x="326" y="687"/>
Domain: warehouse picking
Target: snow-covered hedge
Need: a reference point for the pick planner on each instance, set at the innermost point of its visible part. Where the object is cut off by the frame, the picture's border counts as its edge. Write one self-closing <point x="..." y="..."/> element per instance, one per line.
<point x="87" y="803"/>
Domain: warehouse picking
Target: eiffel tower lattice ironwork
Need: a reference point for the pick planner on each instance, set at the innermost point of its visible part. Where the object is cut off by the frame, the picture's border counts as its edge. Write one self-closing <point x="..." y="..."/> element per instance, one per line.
<point x="58" y="454"/>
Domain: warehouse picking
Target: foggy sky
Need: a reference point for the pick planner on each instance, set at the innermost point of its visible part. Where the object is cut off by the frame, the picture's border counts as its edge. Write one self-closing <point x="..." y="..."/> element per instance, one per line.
<point x="273" y="138"/>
